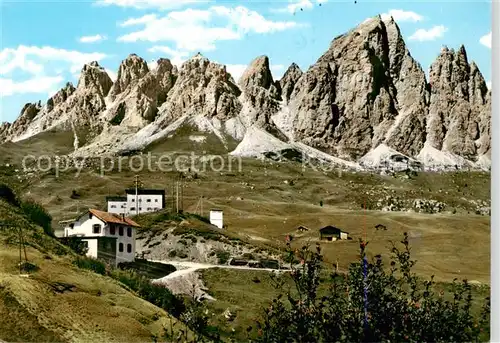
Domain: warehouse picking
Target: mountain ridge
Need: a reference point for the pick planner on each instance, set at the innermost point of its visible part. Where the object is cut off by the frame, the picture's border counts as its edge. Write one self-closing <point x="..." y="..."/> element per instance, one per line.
<point x="364" y="91"/>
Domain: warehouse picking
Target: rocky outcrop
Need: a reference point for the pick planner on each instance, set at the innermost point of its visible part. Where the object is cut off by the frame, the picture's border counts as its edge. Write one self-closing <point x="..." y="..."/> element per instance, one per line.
<point x="60" y="96"/>
<point x="28" y="114"/>
<point x="366" y="91"/>
<point x="202" y="88"/>
<point x="459" y="106"/>
<point x="135" y="100"/>
<point x="261" y="96"/>
<point x="289" y="80"/>
<point x="4" y="128"/>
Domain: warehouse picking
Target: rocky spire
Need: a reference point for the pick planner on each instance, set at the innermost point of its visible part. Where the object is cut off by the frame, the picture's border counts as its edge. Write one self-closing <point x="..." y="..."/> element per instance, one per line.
<point x="94" y="78"/>
<point x="131" y="69"/>
<point x="289" y="80"/>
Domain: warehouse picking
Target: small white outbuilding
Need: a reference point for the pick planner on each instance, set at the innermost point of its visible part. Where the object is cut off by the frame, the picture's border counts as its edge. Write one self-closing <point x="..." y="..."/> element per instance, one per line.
<point x="217" y="218"/>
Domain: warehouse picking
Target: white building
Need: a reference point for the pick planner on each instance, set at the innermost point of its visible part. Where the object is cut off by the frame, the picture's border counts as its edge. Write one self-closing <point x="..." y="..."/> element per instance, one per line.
<point x="117" y="204"/>
<point x="107" y="235"/>
<point x="216" y="218"/>
<point x="146" y="200"/>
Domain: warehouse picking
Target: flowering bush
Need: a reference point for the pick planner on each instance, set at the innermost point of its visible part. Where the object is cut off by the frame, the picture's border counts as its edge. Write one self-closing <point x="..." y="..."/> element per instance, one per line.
<point x="371" y="303"/>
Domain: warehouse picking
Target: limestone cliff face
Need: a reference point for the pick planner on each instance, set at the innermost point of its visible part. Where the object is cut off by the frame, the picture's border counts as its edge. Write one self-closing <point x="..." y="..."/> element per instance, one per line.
<point x="261" y="96"/>
<point x="459" y="106"/>
<point x="69" y="108"/>
<point x="28" y="114"/>
<point x="365" y="91"/>
<point x="202" y="88"/>
<point x="138" y="92"/>
<point x="289" y="80"/>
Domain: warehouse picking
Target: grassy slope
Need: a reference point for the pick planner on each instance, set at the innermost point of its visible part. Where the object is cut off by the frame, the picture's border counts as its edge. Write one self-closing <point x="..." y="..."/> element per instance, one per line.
<point x="247" y="299"/>
<point x="60" y="302"/>
<point x="258" y="205"/>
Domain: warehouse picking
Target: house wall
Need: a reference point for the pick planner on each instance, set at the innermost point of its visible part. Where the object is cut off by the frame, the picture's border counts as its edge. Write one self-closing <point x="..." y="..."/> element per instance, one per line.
<point x="92" y="246"/>
<point x="106" y="249"/>
<point x="84" y="227"/>
<point x="216" y="218"/>
<point x="125" y="240"/>
<point x="343" y="235"/>
<point x="145" y="203"/>
<point x="117" y="207"/>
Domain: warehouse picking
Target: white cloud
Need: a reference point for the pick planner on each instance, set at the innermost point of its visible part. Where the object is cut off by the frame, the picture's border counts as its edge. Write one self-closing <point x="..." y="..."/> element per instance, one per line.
<point x="44" y="84"/>
<point x="433" y="33"/>
<point x="145" y="4"/>
<point x="488" y="84"/>
<point x="486" y="40"/>
<point x="138" y="21"/>
<point x="92" y="39"/>
<point x="297" y="5"/>
<point x="34" y="59"/>
<point x="194" y="30"/>
<point x="401" y="16"/>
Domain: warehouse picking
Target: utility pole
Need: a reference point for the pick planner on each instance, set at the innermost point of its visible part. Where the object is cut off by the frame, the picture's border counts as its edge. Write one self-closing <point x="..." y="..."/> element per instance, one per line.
<point x="136" y="194"/>
<point x="177" y="197"/>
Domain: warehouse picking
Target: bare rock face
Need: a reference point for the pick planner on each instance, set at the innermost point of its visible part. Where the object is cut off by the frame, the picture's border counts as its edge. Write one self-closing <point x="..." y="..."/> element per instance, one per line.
<point x="364" y="91"/>
<point x="289" y="80"/>
<point x="261" y="94"/>
<point x="28" y="113"/>
<point x="459" y="106"/>
<point x="94" y="80"/>
<point x="4" y="129"/>
<point x="137" y="103"/>
<point x="407" y="133"/>
<point x="132" y="69"/>
<point x="202" y="88"/>
<point x="60" y="96"/>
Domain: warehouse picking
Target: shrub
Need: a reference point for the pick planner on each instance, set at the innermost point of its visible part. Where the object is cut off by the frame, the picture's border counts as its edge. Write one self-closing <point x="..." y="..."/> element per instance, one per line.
<point x="222" y="256"/>
<point x="38" y="215"/>
<point x="156" y="294"/>
<point x="76" y="244"/>
<point x="8" y="195"/>
<point x="90" y="263"/>
<point x="74" y="194"/>
<point x="371" y="304"/>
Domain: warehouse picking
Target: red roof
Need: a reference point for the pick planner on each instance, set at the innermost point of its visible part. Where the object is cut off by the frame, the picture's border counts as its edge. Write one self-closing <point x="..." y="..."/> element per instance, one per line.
<point x="113" y="218"/>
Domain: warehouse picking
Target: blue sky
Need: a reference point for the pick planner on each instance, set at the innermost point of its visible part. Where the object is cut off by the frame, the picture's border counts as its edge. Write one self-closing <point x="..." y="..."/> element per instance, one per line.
<point x="44" y="44"/>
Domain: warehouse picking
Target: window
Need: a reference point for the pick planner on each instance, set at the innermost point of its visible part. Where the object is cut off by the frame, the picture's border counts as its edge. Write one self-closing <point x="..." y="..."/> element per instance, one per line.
<point x="156" y="200"/>
<point x="149" y="200"/>
<point x="133" y="200"/>
<point x="140" y="200"/>
<point x="123" y="206"/>
<point x="120" y="247"/>
<point x="96" y="228"/>
<point x="129" y="248"/>
<point x="132" y="209"/>
<point x="90" y="215"/>
<point x="113" y="206"/>
<point x="85" y="244"/>
<point x="72" y="225"/>
<point x="129" y="231"/>
<point x="140" y="208"/>
<point x="149" y="208"/>
<point x="112" y="230"/>
<point x="120" y="230"/>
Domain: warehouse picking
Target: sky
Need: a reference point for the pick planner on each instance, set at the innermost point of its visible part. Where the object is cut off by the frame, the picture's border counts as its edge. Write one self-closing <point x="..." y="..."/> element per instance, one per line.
<point x="44" y="44"/>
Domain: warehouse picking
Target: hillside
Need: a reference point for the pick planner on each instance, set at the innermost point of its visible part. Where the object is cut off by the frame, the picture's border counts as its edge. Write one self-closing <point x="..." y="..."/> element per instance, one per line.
<point x="365" y="91"/>
<point x="58" y="302"/>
